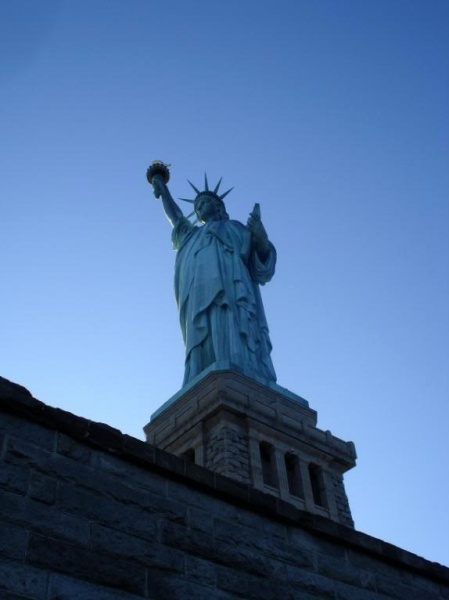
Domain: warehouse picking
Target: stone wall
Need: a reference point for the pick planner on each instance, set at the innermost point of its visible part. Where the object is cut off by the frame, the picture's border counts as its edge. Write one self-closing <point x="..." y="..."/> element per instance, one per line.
<point x="227" y="452"/>
<point x="87" y="513"/>
<point x="341" y="500"/>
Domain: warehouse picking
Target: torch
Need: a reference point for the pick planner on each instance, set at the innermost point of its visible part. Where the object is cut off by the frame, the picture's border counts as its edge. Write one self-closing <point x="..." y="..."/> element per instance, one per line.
<point x="160" y="170"/>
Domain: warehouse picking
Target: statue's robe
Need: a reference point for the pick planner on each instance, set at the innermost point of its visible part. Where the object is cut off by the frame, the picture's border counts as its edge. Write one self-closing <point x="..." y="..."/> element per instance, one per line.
<point x="217" y="278"/>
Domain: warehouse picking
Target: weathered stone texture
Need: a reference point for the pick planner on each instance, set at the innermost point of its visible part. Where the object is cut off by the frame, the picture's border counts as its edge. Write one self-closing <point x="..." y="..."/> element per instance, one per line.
<point x="227" y="453"/>
<point x="341" y="500"/>
<point x="89" y="514"/>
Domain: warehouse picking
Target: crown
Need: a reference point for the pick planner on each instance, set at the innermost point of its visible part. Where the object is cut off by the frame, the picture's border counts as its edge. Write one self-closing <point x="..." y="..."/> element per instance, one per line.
<point x="207" y="192"/>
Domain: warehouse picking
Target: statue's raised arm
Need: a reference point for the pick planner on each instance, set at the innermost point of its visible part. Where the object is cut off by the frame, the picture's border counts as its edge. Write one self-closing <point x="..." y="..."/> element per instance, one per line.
<point x="158" y="175"/>
<point x="172" y="210"/>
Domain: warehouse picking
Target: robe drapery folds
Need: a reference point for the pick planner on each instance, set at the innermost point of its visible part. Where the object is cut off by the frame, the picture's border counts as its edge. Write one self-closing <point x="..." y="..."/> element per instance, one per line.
<point x="217" y="278"/>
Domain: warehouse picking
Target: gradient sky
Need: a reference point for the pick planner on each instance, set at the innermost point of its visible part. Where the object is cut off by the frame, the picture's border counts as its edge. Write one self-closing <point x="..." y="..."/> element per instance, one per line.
<point x="333" y="115"/>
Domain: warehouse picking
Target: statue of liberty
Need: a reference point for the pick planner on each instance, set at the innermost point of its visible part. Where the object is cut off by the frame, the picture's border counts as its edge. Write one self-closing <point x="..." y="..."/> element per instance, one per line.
<point x="219" y="268"/>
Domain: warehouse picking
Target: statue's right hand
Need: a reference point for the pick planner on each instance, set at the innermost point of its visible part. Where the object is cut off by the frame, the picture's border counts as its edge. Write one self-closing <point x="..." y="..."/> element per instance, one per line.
<point x="159" y="186"/>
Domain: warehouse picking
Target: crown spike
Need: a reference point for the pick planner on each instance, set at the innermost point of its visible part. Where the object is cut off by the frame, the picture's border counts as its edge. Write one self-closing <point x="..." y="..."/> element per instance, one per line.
<point x="206" y="183"/>
<point x="187" y="200"/>
<point x="196" y="189"/>
<point x="226" y="193"/>
<point x="217" y="186"/>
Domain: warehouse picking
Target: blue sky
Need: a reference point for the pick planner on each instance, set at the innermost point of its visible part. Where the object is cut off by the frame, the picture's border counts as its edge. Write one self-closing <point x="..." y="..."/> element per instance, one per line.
<point x="332" y="114"/>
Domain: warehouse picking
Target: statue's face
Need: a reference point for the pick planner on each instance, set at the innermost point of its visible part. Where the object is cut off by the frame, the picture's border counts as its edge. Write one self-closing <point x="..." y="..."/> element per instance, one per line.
<point x="207" y="208"/>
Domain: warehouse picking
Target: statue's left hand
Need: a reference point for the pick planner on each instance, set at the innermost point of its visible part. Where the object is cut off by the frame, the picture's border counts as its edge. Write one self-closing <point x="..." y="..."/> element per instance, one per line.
<point x="256" y="227"/>
<point x="259" y="235"/>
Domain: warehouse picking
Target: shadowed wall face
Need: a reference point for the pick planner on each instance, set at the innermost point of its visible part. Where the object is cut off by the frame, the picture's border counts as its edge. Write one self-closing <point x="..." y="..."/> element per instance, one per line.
<point x="87" y="512"/>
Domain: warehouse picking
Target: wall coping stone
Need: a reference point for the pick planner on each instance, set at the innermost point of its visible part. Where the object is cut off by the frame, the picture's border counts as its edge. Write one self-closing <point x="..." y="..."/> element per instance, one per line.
<point x="17" y="400"/>
<point x="224" y="367"/>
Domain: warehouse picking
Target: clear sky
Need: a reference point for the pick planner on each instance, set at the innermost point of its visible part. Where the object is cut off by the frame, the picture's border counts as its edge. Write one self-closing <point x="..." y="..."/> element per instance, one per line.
<point x="333" y="115"/>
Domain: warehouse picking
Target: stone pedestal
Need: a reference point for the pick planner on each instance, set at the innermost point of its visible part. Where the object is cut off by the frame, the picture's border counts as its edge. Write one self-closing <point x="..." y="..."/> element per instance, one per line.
<point x="261" y="435"/>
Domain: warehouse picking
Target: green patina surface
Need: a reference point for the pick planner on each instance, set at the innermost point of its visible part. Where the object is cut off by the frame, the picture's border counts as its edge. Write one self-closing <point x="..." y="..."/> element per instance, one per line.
<point x="220" y="265"/>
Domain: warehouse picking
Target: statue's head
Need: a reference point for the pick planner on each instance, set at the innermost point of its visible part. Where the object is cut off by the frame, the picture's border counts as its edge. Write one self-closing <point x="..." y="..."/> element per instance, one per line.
<point x="209" y="204"/>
